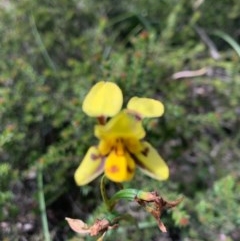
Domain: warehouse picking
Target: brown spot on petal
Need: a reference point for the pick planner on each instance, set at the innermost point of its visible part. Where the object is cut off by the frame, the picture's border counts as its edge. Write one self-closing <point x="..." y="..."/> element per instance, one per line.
<point x="94" y="157"/>
<point x="113" y="169"/>
<point x="130" y="170"/>
<point x="134" y="114"/>
<point x="145" y="151"/>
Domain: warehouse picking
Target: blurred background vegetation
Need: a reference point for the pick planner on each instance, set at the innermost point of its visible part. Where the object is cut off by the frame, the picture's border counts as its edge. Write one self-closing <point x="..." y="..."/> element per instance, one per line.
<point x="184" y="53"/>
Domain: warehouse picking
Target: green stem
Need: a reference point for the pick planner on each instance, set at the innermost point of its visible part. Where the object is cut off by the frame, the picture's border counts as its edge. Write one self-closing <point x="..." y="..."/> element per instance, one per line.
<point x="42" y="205"/>
<point x="104" y="194"/>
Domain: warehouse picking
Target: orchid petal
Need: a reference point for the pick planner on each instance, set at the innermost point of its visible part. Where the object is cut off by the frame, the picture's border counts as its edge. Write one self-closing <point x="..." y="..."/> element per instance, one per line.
<point x="123" y="125"/>
<point x="150" y="162"/>
<point x="103" y="99"/>
<point x="105" y="146"/>
<point x="119" y="168"/>
<point x="145" y="107"/>
<point x="133" y="145"/>
<point x="91" y="167"/>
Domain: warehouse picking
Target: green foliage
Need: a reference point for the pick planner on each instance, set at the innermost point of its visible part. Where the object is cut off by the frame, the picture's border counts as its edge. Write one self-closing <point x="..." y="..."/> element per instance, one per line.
<point x="213" y="213"/>
<point x="53" y="51"/>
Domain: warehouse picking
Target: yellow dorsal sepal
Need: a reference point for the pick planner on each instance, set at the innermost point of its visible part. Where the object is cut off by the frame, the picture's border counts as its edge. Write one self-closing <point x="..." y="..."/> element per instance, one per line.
<point x="103" y="99"/>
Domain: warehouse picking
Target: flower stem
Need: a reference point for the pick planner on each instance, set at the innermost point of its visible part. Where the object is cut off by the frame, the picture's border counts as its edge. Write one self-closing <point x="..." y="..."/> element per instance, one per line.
<point x="104" y="194"/>
<point x="42" y="205"/>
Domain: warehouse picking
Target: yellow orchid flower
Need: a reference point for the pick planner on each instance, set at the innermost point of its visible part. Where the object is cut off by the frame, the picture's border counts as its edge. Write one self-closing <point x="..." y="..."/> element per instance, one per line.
<point x="121" y="147"/>
<point x="104" y="99"/>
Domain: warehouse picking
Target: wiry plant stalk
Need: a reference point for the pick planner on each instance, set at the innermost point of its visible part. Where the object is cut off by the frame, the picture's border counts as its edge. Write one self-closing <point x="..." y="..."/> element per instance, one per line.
<point x="42" y="205"/>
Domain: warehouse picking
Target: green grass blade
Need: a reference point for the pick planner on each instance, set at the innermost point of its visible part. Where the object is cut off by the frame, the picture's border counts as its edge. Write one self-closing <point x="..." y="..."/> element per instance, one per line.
<point x="229" y="40"/>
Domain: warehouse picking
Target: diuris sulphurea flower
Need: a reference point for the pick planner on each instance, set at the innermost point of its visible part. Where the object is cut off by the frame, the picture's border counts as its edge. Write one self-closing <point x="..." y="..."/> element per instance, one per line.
<point x="121" y="146"/>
